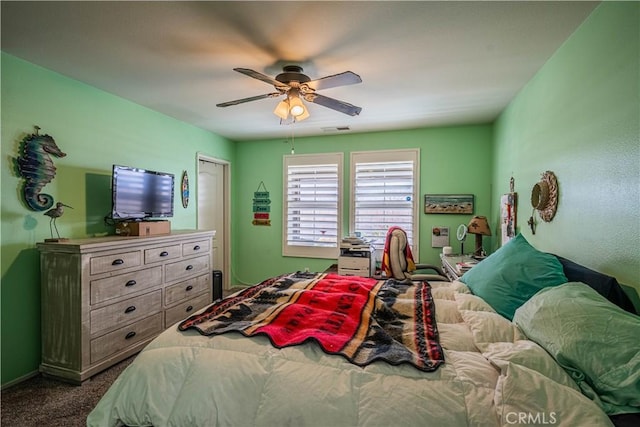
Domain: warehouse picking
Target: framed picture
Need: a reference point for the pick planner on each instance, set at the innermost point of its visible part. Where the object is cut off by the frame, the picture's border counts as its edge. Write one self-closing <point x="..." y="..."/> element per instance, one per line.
<point x="448" y="203"/>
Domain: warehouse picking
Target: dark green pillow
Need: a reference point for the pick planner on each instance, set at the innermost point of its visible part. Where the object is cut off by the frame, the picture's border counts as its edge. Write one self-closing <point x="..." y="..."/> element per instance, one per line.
<point x="511" y="275"/>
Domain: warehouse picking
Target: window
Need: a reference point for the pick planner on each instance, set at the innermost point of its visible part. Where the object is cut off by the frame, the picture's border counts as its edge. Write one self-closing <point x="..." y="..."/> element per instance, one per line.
<point x="384" y="186"/>
<point x="312" y="205"/>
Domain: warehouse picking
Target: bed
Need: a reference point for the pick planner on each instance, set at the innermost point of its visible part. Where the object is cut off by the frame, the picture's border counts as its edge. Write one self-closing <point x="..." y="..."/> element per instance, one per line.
<point x="419" y="354"/>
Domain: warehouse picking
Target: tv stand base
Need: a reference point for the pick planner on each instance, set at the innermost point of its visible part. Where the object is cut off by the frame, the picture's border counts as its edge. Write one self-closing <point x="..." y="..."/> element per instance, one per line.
<point x="143" y="228"/>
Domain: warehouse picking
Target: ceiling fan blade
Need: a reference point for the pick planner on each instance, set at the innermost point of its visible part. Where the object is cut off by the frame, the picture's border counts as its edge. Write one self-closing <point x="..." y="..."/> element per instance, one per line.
<point x="263" y="77"/>
<point x="342" y="79"/>
<point x="252" y="98"/>
<point x="334" y="104"/>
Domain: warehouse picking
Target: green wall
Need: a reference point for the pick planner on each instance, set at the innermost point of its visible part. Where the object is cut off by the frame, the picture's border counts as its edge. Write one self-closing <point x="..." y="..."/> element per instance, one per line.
<point x="452" y="160"/>
<point x="579" y="117"/>
<point x="95" y="129"/>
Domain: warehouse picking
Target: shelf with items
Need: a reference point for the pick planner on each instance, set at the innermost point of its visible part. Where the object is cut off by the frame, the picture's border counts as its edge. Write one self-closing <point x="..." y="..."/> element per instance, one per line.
<point x="456" y="265"/>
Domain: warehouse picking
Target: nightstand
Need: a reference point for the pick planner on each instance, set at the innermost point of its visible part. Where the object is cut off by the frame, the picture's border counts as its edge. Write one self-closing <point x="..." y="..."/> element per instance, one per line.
<point x="455" y="266"/>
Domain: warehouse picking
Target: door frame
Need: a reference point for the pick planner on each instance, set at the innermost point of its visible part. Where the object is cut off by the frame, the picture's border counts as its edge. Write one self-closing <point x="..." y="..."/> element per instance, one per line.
<point x="226" y="244"/>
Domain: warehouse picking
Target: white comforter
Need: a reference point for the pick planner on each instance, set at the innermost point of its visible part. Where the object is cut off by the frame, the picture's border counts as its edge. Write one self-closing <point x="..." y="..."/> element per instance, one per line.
<point x="492" y="376"/>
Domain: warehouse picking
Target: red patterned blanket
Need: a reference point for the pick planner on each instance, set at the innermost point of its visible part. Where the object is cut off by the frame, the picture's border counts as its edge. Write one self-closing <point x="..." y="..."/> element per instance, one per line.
<point x="359" y="318"/>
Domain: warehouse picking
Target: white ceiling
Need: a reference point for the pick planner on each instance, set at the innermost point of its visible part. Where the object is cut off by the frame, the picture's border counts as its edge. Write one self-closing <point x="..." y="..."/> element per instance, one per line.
<point x="422" y="63"/>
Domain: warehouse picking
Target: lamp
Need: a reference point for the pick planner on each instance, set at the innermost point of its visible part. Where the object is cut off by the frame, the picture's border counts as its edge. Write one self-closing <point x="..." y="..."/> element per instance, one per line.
<point x="480" y="227"/>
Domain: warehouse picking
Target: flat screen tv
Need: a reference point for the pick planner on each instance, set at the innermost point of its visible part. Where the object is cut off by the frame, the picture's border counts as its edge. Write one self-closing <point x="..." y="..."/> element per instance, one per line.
<point x="140" y="194"/>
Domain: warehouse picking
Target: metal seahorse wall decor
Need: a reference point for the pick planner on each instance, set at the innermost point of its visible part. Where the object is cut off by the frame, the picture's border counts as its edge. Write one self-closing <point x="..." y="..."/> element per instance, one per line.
<point x="35" y="165"/>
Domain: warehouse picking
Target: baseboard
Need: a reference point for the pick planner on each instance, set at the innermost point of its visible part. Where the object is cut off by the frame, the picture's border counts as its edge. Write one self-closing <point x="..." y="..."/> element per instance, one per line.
<point x="19" y="380"/>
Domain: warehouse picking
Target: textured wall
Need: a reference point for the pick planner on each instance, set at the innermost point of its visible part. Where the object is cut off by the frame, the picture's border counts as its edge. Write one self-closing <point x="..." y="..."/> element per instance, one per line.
<point x="579" y="117"/>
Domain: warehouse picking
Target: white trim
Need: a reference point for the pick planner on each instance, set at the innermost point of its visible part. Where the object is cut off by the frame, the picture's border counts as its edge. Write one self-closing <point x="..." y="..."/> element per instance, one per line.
<point x="226" y="245"/>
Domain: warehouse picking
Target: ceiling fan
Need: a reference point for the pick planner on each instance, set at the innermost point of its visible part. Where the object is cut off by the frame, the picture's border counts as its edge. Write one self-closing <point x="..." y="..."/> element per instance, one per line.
<point x="297" y="86"/>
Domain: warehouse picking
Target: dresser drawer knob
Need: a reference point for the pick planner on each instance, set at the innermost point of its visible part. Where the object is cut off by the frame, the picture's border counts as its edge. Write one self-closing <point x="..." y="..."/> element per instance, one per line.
<point x="164" y="253"/>
<point x="130" y="283"/>
<point x="188" y="288"/>
<point x="130" y="335"/>
<point x="189" y="267"/>
<point x="118" y="261"/>
<point x="130" y="309"/>
<point x="189" y="308"/>
<point x="196" y="248"/>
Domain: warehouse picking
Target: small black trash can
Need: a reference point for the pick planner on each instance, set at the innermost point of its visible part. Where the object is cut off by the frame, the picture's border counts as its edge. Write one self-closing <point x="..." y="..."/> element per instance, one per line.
<point x="217" y="285"/>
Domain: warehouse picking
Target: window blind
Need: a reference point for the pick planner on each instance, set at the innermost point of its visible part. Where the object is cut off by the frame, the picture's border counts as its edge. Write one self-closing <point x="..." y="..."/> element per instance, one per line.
<point x="384" y="195"/>
<point x="312" y="208"/>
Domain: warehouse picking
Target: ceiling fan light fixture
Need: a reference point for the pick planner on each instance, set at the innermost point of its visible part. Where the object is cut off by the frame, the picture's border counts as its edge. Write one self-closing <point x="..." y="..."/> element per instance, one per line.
<point x="293" y="83"/>
<point x="304" y="115"/>
<point x="282" y="109"/>
<point x="296" y="107"/>
<point x="297" y="110"/>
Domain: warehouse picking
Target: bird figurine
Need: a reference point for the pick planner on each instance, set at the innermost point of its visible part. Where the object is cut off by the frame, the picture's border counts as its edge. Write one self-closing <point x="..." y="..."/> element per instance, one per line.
<point x="55" y="213"/>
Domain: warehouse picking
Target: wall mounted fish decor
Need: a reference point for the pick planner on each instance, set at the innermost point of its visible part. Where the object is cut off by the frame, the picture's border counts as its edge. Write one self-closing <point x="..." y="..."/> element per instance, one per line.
<point x="185" y="190"/>
<point x="35" y="165"/>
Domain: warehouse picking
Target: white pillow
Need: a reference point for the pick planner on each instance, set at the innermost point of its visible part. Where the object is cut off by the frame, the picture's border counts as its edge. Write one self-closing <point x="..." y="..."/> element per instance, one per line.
<point x="472" y="302"/>
<point x="488" y="327"/>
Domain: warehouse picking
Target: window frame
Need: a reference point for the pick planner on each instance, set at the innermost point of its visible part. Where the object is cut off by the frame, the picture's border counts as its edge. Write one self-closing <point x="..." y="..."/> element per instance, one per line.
<point x="381" y="156"/>
<point x="310" y="160"/>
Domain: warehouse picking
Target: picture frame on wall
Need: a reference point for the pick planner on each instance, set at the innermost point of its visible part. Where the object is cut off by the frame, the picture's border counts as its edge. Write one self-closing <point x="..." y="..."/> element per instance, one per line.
<point x="449" y="204"/>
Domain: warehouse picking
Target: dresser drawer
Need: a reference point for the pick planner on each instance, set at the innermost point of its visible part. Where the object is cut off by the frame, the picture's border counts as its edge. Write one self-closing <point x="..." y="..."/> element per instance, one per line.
<point x="162" y="254"/>
<point x="125" y="312"/>
<point x="187" y="289"/>
<point x="124" y="284"/>
<point x="191" y="248"/>
<point x="186" y="309"/>
<point x="186" y="268"/>
<point x="118" y="340"/>
<point x="115" y="262"/>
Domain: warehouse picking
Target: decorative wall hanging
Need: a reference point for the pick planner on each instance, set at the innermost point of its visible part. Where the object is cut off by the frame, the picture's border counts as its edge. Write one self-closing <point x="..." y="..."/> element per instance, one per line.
<point x="544" y="199"/>
<point x="448" y="203"/>
<point x="508" y="203"/>
<point x="185" y="189"/>
<point x="261" y="206"/>
<point x="35" y="165"/>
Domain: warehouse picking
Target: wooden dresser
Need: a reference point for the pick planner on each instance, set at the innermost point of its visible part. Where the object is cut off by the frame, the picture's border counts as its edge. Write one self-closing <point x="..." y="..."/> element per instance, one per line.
<point x="105" y="298"/>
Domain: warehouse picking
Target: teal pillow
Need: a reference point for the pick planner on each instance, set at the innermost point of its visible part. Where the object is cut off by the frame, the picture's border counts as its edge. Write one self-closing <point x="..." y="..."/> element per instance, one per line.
<point x="511" y="275"/>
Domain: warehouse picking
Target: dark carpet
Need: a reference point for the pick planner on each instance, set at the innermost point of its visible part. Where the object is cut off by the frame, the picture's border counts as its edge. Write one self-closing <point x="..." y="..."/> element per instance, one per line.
<point x="44" y="402"/>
